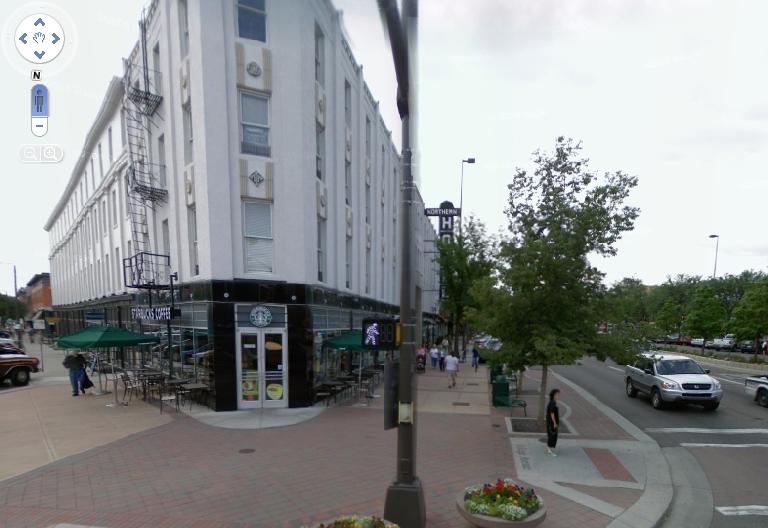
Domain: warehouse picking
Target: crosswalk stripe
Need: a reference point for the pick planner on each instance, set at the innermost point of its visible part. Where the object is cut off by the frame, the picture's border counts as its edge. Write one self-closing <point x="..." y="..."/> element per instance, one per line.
<point x="695" y="430"/>
<point x="743" y="510"/>
<point x="686" y="444"/>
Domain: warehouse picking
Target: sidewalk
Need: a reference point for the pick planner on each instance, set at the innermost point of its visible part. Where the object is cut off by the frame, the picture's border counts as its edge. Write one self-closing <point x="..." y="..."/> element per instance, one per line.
<point x="188" y="473"/>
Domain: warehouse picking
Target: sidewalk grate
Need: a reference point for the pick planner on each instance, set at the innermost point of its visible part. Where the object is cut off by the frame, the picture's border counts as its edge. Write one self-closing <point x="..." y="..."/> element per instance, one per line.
<point x="461" y="404"/>
<point x="247" y="451"/>
<point x="472" y="384"/>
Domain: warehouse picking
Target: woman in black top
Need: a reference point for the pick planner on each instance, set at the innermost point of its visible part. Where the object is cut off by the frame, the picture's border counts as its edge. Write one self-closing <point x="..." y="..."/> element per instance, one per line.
<point x="553" y="421"/>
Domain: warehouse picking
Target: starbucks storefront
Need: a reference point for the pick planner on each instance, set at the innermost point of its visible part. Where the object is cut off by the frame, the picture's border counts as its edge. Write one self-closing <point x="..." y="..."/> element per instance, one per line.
<point x="261" y="356"/>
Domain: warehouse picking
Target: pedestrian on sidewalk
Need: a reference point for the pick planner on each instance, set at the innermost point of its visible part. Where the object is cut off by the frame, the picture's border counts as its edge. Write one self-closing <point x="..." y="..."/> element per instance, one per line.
<point x="442" y="358"/>
<point x="434" y="355"/>
<point x="452" y="367"/>
<point x="475" y="357"/>
<point x="553" y="421"/>
<point x="76" y="365"/>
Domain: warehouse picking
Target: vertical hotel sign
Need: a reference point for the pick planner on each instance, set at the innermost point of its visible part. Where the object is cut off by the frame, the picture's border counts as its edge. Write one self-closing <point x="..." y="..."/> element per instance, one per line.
<point x="446" y="215"/>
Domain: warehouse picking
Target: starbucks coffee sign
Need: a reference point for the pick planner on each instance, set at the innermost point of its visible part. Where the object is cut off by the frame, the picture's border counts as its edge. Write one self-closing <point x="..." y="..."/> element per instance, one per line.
<point x="154" y="313"/>
<point x="260" y="316"/>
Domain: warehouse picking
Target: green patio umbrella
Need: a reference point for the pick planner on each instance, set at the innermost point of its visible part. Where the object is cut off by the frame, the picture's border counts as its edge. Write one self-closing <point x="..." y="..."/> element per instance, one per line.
<point x="101" y="336"/>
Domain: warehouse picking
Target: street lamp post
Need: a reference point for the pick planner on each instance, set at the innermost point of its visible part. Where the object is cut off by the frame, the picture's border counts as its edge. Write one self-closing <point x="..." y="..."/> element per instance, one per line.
<point x="15" y="290"/>
<point x="461" y="192"/>
<point x="717" y="249"/>
<point x="404" y="502"/>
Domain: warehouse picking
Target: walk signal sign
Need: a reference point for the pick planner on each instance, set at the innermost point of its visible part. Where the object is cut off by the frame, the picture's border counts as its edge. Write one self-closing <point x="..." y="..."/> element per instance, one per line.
<point x="381" y="334"/>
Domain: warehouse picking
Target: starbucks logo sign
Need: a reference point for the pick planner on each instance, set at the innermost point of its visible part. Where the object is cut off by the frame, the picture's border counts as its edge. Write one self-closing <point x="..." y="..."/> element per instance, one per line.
<point x="260" y="316"/>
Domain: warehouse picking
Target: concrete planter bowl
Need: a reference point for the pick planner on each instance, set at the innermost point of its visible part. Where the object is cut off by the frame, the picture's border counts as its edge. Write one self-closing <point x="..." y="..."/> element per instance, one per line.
<point x="486" y="521"/>
<point x="355" y="521"/>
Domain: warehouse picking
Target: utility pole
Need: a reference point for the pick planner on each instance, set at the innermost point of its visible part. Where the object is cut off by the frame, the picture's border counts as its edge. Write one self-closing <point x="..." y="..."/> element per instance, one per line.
<point x="404" y="503"/>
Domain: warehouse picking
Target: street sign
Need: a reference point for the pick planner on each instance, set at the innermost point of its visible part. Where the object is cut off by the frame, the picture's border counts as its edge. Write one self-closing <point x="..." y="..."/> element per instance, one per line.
<point x="38" y="324"/>
<point x="380" y="334"/>
<point x="439" y="211"/>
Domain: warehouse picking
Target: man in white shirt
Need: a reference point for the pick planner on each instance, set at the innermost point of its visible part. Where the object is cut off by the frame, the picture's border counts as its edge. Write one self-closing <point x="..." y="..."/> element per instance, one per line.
<point x="452" y="367"/>
<point x="434" y="355"/>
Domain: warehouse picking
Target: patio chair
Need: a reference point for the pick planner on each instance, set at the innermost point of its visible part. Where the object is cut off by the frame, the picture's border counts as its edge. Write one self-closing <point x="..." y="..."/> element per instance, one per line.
<point x="130" y="387"/>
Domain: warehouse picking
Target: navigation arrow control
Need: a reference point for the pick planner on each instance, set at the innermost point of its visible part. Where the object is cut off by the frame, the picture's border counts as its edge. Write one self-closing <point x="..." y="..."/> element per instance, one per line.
<point x="23" y="38"/>
<point x="55" y="38"/>
<point x="39" y="54"/>
<point x="39" y="21"/>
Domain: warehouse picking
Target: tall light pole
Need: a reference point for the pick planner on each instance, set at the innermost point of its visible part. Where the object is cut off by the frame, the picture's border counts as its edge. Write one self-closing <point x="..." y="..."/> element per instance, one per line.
<point x="15" y="290"/>
<point x="717" y="249"/>
<point x="404" y="503"/>
<point x="461" y="192"/>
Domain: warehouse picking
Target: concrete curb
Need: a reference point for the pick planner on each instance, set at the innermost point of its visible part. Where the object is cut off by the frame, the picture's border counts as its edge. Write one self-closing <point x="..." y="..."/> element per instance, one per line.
<point x="653" y="505"/>
<point x="735" y="364"/>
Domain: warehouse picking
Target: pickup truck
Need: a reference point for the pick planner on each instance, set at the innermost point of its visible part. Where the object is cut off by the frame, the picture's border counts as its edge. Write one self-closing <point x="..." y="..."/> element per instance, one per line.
<point x="757" y="388"/>
<point x="724" y="343"/>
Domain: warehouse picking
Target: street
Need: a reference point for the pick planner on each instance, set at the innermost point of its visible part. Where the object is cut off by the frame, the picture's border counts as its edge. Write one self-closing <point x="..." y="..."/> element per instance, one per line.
<point x="729" y="444"/>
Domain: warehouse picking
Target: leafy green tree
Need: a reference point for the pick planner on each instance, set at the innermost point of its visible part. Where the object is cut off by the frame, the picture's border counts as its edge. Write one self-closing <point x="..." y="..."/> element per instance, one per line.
<point x="11" y="308"/>
<point x="464" y="260"/>
<point x="627" y="301"/>
<point x="669" y="318"/>
<point x="750" y="316"/>
<point x="731" y="288"/>
<point x="543" y="303"/>
<point x="707" y="314"/>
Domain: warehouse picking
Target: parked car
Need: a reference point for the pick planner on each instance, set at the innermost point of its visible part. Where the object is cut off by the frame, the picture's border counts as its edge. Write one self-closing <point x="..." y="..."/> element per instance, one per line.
<point x="757" y="388"/>
<point x="17" y="367"/>
<point x="728" y="342"/>
<point x="747" y="346"/>
<point x="697" y="341"/>
<point x="684" y="340"/>
<point x="669" y="378"/>
<point x="5" y="334"/>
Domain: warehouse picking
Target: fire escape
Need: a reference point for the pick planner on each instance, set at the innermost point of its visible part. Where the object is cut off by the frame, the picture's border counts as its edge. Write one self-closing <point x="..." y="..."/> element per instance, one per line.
<point x="143" y="269"/>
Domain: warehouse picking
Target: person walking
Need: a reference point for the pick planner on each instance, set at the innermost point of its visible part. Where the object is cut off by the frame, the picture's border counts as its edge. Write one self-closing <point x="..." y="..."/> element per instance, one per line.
<point x="434" y="355"/>
<point x="553" y="421"/>
<point x="452" y="367"/>
<point x="475" y="357"/>
<point x="442" y="359"/>
<point x="76" y="365"/>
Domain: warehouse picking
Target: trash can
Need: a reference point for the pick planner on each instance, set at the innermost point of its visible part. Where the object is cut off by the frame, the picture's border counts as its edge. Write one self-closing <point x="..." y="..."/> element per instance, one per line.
<point x="500" y="391"/>
<point x="495" y="371"/>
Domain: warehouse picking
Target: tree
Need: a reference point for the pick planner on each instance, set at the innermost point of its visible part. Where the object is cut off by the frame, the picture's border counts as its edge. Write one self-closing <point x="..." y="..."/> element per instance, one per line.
<point x="463" y="260"/>
<point x="707" y="314"/>
<point x="543" y="301"/>
<point x="750" y="316"/>
<point x="669" y="317"/>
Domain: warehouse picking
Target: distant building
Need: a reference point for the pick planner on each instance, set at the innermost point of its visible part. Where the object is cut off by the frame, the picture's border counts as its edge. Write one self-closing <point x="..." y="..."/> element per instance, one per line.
<point x="243" y="151"/>
<point x="37" y="294"/>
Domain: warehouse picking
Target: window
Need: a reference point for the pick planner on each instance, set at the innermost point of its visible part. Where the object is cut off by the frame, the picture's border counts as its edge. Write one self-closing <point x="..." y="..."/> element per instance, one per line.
<point x="367" y="138"/>
<point x="118" y="273"/>
<point x="104" y="217"/>
<point x="122" y="126"/>
<point x="349" y="263"/>
<point x="114" y="207"/>
<point x="189" y="140"/>
<point x="319" y="56"/>
<point x="252" y="20"/>
<point x="321" y="250"/>
<point x="109" y="146"/>
<point x="320" y="151"/>
<point x="183" y="28"/>
<point x="161" y="161"/>
<point x="156" y="73"/>
<point x="257" y="229"/>
<point x="101" y="163"/>
<point x="368" y="270"/>
<point x="348" y="183"/>
<point x="347" y="103"/>
<point x="367" y="203"/>
<point x="130" y="253"/>
<point x="93" y="173"/>
<point x="107" y="275"/>
<point x="254" y="124"/>
<point x="192" y="225"/>
<point x="125" y="194"/>
<point x="166" y="238"/>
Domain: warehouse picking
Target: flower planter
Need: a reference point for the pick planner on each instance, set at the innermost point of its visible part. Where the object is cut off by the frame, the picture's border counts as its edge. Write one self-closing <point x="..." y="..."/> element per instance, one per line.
<point x="520" y="503"/>
<point x="353" y="521"/>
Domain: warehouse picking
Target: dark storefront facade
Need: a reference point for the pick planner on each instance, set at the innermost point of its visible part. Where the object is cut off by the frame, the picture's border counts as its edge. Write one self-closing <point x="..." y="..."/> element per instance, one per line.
<point x="254" y="344"/>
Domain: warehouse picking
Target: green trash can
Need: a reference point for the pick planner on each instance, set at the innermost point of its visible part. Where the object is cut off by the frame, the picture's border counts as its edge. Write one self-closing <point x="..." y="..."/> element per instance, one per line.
<point x="495" y="371"/>
<point x="500" y="391"/>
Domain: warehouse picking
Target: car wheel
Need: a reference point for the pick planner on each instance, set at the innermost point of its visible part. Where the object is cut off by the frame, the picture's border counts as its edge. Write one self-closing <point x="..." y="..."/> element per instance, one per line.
<point x="20" y="377"/>
<point x="656" y="400"/>
<point x="711" y="406"/>
<point x="631" y="390"/>
<point x="762" y="397"/>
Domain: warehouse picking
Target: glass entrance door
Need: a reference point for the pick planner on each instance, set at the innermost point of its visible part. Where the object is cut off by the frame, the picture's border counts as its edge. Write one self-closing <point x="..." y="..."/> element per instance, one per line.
<point x="262" y="368"/>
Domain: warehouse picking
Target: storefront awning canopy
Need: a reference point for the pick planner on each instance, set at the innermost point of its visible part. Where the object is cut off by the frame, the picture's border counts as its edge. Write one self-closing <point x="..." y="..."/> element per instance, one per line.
<point x="352" y="340"/>
<point x="105" y="336"/>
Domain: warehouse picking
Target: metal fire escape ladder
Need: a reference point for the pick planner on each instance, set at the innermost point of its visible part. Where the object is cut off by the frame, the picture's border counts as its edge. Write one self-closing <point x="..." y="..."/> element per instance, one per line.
<point x="143" y="269"/>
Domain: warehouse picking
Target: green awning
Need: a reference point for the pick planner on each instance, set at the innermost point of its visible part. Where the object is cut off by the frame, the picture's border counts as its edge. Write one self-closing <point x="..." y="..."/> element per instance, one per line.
<point x="100" y="336"/>
<point x="352" y="340"/>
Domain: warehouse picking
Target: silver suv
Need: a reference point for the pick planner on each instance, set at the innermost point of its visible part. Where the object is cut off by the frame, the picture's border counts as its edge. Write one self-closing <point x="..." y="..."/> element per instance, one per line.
<point x="668" y="378"/>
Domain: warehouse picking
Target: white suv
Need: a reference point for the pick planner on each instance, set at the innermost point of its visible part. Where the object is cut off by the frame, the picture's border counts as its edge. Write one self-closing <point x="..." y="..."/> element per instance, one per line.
<point x="668" y="378"/>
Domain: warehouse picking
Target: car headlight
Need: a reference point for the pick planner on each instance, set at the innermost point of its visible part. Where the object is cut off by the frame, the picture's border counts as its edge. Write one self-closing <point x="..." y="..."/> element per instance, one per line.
<point x="716" y="384"/>
<point x="670" y="385"/>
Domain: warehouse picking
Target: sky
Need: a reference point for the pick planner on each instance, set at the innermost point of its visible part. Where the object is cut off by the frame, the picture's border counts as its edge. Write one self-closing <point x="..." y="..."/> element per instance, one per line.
<point x="675" y="93"/>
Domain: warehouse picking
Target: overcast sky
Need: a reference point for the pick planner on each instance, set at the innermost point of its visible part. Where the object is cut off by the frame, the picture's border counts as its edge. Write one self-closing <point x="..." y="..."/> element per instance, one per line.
<point x="675" y="92"/>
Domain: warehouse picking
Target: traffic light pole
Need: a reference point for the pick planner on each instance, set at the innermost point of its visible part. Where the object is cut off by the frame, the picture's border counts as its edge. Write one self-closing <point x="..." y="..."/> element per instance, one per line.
<point x="404" y="503"/>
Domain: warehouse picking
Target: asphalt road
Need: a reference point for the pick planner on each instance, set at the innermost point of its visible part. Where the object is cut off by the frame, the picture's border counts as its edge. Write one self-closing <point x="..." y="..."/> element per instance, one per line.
<point x="738" y="476"/>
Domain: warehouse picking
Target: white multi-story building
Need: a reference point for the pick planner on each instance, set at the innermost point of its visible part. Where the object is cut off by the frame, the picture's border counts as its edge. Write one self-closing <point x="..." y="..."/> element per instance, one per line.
<point x="243" y="151"/>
